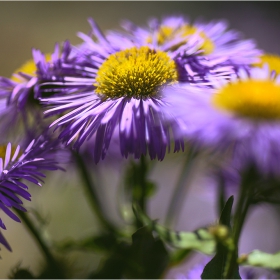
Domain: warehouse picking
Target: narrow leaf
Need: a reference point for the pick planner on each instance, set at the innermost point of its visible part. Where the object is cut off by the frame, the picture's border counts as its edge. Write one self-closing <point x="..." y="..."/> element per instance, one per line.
<point x="200" y="240"/>
<point x="261" y="259"/>
<point x="215" y="268"/>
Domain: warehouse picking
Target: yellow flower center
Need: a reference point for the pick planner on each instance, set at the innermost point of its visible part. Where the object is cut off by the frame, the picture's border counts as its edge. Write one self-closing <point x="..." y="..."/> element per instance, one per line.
<point x="166" y="33"/>
<point x="28" y="68"/>
<point x="252" y="98"/>
<point x="272" y="60"/>
<point x="135" y="72"/>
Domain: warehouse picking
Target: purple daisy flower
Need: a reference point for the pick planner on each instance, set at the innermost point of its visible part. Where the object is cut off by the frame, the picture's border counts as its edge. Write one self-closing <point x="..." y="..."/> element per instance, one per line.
<point x="15" y="94"/>
<point x="111" y="89"/>
<point x="20" y="84"/>
<point x="112" y="84"/>
<point x="240" y="116"/>
<point x="40" y="155"/>
<point x="273" y="61"/>
<point x="204" y="48"/>
<point x="18" y="104"/>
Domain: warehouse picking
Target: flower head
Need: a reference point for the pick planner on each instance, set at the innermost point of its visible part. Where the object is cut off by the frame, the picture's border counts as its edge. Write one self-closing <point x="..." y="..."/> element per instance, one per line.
<point x="15" y="166"/>
<point x="112" y="88"/>
<point x="241" y="116"/>
<point x="17" y="106"/>
<point x="272" y="60"/>
<point x="201" y="48"/>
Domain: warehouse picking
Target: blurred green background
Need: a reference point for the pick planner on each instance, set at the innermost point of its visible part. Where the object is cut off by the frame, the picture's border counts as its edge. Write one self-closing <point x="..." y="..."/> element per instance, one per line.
<point x="27" y="25"/>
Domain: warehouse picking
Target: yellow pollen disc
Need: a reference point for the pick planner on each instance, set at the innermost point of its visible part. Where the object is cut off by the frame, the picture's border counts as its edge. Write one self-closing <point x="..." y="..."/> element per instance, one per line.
<point x="135" y="72"/>
<point x="167" y="33"/>
<point x="253" y="99"/>
<point x="28" y="68"/>
<point x="272" y="60"/>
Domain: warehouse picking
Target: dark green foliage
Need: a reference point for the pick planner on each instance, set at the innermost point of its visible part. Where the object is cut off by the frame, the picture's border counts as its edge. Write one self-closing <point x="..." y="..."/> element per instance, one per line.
<point x="21" y="273"/>
<point x="145" y="258"/>
<point x="215" y="268"/>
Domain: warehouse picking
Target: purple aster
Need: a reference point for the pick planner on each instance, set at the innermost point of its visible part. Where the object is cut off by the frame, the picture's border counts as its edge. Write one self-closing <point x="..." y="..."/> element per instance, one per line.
<point x="199" y="48"/>
<point x="17" y="167"/>
<point x="19" y="86"/>
<point x="15" y="95"/>
<point x="111" y="89"/>
<point x="18" y="104"/>
<point x="240" y="116"/>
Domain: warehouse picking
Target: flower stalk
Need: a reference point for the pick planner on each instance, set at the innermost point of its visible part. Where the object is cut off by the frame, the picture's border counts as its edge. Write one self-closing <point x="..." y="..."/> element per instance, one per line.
<point x="52" y="263"/>
<point x="91" y="194"/>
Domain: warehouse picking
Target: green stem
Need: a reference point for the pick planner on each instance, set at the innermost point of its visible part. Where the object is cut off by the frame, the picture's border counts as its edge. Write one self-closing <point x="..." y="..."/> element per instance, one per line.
<point x="143" y="185"/>
<point x="243" y="204"/>
<point x="91" y="194"/>
<point x="139" y="183"/>
<point x="180" y="189"/>
<point x="221" y="194"/>
<point x="36" y="234"/>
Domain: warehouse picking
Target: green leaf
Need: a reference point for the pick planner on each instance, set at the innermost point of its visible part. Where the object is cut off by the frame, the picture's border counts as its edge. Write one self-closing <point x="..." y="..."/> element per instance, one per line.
<point x="215" y="268"/>
<point x="21" y="273"/>
<point x="145" y="258"/>
<point x="149" y="255"/>
<point x="114" y="265"/>
<point x="200" y="240"/>
<point x="226" y="213"/>
<point x="261" y="259"/>
<point x="178" y="256"/>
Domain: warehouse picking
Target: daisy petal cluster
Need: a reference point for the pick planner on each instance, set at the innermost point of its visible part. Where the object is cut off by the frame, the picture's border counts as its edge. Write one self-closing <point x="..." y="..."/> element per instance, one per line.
<point x="16" y="95"/>
<point x="200" y="48"/>
<point x="112" y="85"/>
<point x="113" y="89"/>
<point x="17" y="168"/>
<point x="240" y="116"/>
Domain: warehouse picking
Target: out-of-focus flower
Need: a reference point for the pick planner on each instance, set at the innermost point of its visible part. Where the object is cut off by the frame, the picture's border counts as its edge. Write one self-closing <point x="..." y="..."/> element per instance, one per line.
<point x="21" y="83"/>
<point x="273" y="61"/>
<point x="17" y="103"/>
<point x="241" y="116"/>
<point x="201" y="48"/>
<point x="41" y="155"/>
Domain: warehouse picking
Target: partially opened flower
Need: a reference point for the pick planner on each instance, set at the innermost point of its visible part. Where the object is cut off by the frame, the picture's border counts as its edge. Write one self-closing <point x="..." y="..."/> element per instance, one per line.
<point x="112" y="88"/>
<point x="241" y="116"/>
<point x="18" y="167"/>
<point x="205" y="48"/>
<point x="16" y="96"/>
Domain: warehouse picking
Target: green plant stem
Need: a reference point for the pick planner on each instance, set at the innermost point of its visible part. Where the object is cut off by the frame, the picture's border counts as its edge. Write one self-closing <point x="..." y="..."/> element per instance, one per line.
<point x="243" y="204"/>
<point x="221" y="195"/>
<point x="36" y="234"/>
<point x="91" y="194"/>
<point x="180" y="189"/>
<point x="143" y="185"/>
